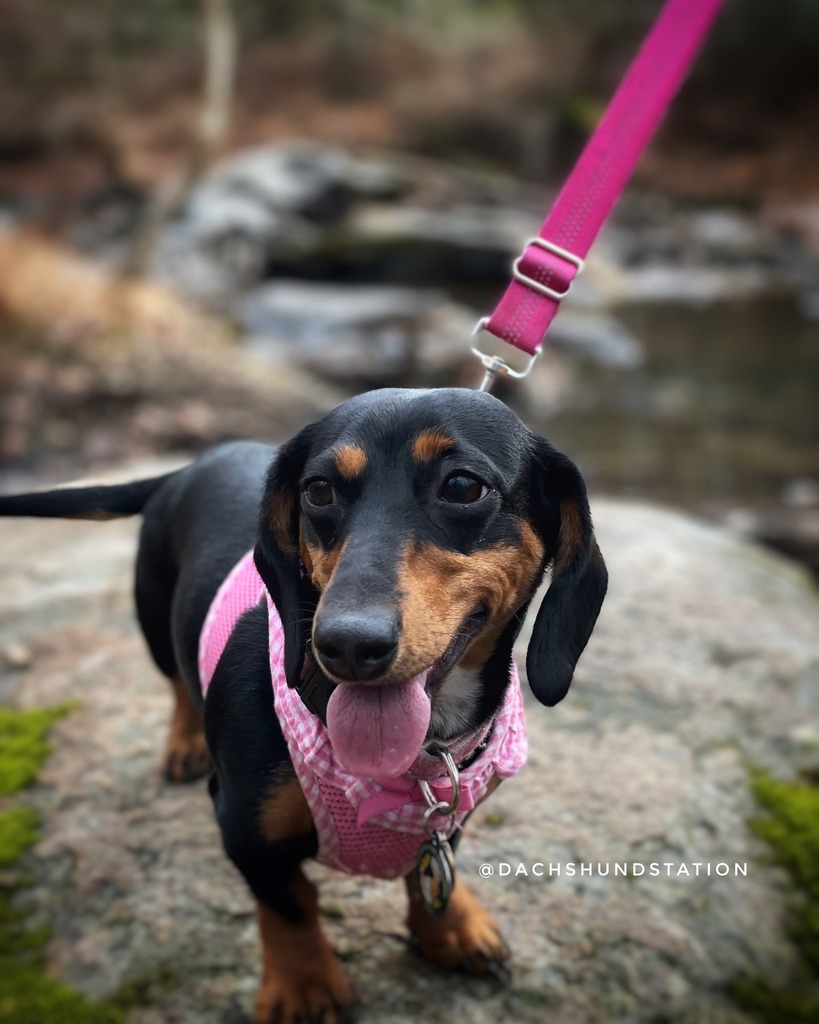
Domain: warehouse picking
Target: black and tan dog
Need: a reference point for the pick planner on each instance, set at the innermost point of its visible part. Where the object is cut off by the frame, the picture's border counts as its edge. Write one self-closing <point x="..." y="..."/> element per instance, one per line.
<point x="404" y="531"/>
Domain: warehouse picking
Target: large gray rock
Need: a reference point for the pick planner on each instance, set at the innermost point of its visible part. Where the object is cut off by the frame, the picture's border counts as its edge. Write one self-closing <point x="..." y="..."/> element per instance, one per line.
<point x="705" y="656"/>
<point x="370" y="333"/>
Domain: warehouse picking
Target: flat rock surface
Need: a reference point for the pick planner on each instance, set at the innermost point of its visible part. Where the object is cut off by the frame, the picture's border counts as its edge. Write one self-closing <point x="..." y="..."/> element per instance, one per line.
<point x="704" y="661"/>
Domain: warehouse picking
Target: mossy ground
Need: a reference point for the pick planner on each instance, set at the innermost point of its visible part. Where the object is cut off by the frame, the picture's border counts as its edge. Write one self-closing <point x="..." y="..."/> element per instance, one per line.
<point x="791" y="828"/>
<point x="27" y="994"/>
<point x="24" y="744"/>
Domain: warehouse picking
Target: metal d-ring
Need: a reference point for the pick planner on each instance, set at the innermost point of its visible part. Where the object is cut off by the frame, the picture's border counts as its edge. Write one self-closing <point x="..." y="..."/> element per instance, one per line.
<point x="435" y="806"/>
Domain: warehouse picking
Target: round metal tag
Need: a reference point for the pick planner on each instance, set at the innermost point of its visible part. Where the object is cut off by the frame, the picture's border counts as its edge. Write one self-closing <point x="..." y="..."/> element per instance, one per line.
<point x="436" y="873"/>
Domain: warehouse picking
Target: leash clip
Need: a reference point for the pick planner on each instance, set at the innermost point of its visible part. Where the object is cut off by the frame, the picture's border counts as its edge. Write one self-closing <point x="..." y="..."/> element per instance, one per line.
<point x="494" y="365"/>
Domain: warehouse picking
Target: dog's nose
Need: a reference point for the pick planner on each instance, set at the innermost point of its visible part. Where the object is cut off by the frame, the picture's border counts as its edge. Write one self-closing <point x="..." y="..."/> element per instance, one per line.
<point x="356" y="645"/>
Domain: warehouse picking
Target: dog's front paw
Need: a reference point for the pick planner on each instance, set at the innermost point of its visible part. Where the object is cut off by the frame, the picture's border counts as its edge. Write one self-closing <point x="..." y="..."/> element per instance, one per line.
<point x="466" y="936"/>
<point x="317" y="994"/>
<point x="186" y="757"/>
<point x="302" y="980"/>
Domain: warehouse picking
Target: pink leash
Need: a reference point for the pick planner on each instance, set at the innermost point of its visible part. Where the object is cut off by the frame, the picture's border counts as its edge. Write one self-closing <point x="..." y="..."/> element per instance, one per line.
<point x="543" y="274"/>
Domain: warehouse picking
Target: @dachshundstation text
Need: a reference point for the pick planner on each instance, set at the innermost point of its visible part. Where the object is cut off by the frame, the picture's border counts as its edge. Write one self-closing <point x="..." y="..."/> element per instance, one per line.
<point x="622" y="869"/>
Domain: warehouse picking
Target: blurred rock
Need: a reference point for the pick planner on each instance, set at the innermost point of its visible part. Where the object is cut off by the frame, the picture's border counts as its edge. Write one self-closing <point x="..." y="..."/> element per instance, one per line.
<point x="310" y="211"/>
<point x="794" y="531"/>
<point x="307" y="178"/>
<point x="17" y="656"/>
<point x="597" y="337"/>
<point x="791" y="527"/>
<point x="95" y="368"/>
<point x="358" y="333"/>
<point x="801" y="492"/>
<point x="669" y="282"/>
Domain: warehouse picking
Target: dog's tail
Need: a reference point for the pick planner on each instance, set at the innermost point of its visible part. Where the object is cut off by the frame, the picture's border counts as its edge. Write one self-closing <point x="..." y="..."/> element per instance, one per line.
<point x="98" y="502"/>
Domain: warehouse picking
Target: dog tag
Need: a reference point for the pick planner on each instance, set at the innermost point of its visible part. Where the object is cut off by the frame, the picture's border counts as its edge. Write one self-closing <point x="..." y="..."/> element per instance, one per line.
<point x="436" y="873"/>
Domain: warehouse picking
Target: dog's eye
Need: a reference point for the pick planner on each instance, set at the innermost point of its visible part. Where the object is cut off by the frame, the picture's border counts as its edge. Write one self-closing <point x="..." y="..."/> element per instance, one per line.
<point x="461" y="489"/>
<point x="320" y="493"/>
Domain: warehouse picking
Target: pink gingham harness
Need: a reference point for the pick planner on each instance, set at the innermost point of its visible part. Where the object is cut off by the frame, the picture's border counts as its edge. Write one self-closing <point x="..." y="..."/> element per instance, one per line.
<point x="364" y="826"/>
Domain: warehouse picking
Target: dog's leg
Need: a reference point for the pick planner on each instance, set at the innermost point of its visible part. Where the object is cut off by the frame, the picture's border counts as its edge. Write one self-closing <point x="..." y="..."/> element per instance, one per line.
<point x="186" y="752"/>
<point x="466" y="936"/>
<point x="267" y="831"/>
<point x="301" y="979"/>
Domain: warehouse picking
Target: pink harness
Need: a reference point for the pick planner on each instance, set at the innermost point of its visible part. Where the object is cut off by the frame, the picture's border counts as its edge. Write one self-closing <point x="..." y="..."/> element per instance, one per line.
<point x="364" y="826"/>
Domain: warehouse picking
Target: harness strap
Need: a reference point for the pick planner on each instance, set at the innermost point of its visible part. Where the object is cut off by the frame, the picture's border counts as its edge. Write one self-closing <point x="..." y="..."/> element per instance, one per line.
<point x="543" y="274"/>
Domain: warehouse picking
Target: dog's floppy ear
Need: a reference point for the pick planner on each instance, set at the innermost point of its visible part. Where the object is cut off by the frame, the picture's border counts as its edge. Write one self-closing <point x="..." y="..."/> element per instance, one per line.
<point x="277" y="551"/>
<point x="572" y="603"/>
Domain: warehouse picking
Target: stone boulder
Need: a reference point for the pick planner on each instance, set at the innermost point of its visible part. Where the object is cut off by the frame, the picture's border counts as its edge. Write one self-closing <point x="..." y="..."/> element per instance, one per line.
<point x="704" y="661"/>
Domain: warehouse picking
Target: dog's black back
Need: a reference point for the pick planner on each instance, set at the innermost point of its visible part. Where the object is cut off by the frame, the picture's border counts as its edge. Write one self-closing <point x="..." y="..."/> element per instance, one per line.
<point x="196" y="526"/>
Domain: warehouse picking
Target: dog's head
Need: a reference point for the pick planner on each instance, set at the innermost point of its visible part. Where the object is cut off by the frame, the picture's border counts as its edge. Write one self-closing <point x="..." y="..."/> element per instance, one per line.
<point x="406" y="533"/>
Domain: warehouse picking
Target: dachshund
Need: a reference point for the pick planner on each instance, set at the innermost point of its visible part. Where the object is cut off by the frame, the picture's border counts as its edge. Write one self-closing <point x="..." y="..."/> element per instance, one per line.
<point x="397" y="542"/>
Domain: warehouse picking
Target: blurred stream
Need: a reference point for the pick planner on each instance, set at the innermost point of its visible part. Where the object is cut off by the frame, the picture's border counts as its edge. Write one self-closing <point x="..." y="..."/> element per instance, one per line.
<point x="723" y="411"/>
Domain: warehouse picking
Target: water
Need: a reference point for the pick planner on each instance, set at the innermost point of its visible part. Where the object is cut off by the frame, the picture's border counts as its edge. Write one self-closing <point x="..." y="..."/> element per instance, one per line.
<point x="724" y="411"/>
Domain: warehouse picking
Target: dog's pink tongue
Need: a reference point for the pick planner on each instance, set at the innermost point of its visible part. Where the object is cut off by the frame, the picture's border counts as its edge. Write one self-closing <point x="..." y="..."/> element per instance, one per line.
<point x="377" y="731"/>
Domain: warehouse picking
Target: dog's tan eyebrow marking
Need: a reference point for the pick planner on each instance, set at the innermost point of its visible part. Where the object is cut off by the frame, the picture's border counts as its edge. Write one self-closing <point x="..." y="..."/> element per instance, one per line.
<point x="350" y="460"/>
<point x="430" y="445"/>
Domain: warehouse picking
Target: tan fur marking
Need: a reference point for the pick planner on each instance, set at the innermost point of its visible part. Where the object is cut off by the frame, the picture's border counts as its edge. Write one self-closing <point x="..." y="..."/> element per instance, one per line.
<point x="320" y="564"/>
<point x="280" y="508"/>
<point x="491" y="786"/>
<point x="440" y="588"/>
<point x="464" y="936"/>
<point x="350" y="460"/>
<point x="99" y="515"/>
<point x="301" y="978"/>
<point x="186" y="752"/>
<point x="430" y="445"/>
<point x="570" y="535"/>
<point x="285" y="814"/>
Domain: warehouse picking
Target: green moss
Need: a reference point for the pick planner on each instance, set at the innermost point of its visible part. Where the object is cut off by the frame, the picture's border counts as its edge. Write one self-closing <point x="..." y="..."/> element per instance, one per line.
<point x="332" y="913"/>
<point x="532" y="997"/>
<point x="18" y="832"/>
<point x="27" y="994"/>
<point x="143" y="991"/>
<point x="794" y="1003"/>
<point x="791" y="828"/>
<point x="23" y="744"/>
